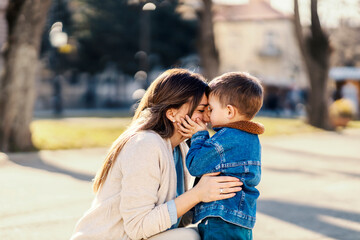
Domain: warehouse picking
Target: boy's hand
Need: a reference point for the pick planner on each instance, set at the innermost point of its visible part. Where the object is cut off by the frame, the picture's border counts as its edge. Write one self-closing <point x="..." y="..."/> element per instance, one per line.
<point x="188" y="127"/>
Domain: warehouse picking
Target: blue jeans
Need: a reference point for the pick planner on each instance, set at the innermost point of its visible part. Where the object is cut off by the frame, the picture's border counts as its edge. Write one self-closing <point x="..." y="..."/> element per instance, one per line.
<point x="214" y="228"/>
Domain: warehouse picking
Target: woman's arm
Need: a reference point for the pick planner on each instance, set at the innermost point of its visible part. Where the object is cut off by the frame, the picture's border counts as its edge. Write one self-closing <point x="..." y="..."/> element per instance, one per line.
<point x="141" y="179"/>
<point x="208" y="190"/>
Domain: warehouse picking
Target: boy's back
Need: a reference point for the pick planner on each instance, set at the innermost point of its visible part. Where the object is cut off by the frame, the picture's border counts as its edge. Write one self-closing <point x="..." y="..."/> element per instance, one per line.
<point x="233" y="152"/>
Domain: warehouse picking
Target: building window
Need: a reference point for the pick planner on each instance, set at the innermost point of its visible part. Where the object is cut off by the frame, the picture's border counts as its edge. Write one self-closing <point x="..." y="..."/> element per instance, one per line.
<point x="270" y="47"/>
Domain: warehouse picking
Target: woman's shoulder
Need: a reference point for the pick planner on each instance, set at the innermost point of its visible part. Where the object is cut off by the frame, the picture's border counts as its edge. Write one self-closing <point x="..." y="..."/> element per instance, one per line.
<point x="143" y="145"/>
<point x="145" y="139"/>
<point x="147" y="136"/>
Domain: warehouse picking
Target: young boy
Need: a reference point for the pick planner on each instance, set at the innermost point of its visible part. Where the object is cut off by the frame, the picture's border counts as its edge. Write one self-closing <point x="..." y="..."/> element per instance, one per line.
<point x="234" y="150"/>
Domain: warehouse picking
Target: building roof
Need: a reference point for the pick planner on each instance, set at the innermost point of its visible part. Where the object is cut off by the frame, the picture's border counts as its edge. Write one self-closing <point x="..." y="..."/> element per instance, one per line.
<point x="344" y="73"/>
<point x="254" y="10"/>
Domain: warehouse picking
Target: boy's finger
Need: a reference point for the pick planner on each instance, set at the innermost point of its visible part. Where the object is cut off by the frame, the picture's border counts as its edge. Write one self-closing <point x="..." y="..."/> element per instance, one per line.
<point x="199" y="122"/>
<point x="185" y="123"/>
<point x="190" y="121"/>
<point x="183" y="129"/>
<point x="187" y="135"/>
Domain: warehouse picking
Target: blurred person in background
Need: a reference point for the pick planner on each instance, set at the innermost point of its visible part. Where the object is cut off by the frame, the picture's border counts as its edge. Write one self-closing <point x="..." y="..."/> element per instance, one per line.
<point x="144" y="188"/>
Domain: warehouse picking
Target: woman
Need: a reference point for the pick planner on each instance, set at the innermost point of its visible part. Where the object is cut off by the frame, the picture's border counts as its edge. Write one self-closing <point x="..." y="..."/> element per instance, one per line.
<point x="143" y="186"/>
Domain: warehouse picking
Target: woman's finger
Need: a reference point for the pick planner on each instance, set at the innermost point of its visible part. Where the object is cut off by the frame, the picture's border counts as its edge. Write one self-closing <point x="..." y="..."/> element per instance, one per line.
<point x="226" y="196"/>
<point x="212" y="174"/>
<point x="230" y="184"/>
<point x="222" y="179"/>
<point x="229" y="190"/>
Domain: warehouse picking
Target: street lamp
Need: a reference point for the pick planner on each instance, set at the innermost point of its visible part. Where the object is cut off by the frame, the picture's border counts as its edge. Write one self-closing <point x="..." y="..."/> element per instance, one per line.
<point x="57" y="39"/>
<point x="145" y="37"/>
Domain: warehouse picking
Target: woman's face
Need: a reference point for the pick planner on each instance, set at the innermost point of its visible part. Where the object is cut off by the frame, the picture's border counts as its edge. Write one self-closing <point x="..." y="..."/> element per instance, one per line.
<point x="201" y="111"/>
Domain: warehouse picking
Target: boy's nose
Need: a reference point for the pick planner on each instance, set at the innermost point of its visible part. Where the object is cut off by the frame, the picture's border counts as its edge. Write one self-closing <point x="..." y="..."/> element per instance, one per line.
<point x="206" y="117"/>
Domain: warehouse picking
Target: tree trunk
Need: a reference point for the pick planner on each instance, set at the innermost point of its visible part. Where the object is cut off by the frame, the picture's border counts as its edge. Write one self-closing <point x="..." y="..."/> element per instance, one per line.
<point x="316" y="52"/>
<point x="26" y="20"/>
<point x="208" y="53"/>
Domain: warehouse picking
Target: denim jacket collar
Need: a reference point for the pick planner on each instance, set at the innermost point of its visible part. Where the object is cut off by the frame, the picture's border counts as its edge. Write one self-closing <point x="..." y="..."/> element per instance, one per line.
<point x="247" y="126"/>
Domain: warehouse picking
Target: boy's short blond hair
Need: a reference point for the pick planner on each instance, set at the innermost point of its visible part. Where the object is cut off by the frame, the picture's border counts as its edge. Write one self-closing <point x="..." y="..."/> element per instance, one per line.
<point x="240" y="90"/>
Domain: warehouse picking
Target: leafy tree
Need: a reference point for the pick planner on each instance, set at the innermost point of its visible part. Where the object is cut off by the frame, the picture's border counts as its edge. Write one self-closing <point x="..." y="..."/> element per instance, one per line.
<point x="112" y="32"/>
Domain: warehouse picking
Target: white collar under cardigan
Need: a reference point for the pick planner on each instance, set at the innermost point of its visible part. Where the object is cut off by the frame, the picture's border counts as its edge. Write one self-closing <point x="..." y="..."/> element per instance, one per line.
<point x="132" y="202"/>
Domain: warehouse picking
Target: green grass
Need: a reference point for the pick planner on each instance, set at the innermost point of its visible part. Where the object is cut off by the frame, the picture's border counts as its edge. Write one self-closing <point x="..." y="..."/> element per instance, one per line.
<point x="101" y="132"/>
<point x="284" y="126"/>
<point x="76" y="133"/>
<point x="354" y="124"/>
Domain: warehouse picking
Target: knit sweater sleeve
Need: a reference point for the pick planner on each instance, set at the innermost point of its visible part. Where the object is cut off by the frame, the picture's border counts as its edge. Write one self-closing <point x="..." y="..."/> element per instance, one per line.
<point x="140" y="167"/>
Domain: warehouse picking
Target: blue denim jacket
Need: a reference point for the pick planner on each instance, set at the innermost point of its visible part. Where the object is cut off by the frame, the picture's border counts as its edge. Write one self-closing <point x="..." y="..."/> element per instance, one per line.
<point x="232" y="152"/>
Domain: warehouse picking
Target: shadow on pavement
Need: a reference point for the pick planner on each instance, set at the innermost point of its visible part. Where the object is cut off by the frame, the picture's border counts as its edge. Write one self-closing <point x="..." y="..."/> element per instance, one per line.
<point x="313" y="218"/>
<point x="35" y="161"/>
<point x="356" y="175"/>
<point x="306" y="153"/>
<point x="290" y="170"/>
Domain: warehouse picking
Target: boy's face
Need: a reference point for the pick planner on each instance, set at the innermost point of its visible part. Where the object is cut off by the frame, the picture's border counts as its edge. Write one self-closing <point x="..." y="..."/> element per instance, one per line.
<point x="218" y="113"/>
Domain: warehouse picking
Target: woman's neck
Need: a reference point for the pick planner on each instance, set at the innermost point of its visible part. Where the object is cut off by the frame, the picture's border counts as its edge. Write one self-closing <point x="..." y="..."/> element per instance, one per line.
<point x="176" y="139"/>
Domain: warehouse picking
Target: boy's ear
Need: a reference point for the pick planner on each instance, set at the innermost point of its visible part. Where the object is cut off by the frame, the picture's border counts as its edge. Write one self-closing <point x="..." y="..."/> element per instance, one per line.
<point x="170" y="114"/>
<point x="231" y="111"/>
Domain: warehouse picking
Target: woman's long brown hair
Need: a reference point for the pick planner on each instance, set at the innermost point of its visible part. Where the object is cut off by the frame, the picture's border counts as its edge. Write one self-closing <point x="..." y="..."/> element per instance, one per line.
<point x="171" y="89"/>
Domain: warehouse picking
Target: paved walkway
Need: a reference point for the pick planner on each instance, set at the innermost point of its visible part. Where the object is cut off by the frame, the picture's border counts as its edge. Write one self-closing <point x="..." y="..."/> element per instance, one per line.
<point x="310" y="189"/>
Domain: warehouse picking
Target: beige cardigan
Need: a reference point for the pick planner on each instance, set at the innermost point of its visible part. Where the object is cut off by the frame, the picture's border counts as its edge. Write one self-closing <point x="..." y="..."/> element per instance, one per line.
<point x="132" y="202"/>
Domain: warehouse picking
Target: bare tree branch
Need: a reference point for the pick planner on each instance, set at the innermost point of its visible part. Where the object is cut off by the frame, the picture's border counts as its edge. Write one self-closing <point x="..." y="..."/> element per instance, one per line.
<point x="298" y="29"/>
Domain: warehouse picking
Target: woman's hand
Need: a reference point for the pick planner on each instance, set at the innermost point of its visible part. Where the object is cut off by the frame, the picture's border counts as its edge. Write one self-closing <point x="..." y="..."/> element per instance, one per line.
<point x="211" y="187"/>
<point x="208" y="189"/>
<point x="188" y="127"/>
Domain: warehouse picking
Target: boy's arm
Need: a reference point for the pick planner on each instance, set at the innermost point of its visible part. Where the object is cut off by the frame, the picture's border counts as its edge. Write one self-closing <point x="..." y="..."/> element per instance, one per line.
<point x="203" y="156"/>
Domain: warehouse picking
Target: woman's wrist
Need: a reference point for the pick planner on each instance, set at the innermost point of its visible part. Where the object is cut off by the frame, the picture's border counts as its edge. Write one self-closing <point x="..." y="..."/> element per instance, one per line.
<point x="186" y="201"/>
<point x="197" y="194"/>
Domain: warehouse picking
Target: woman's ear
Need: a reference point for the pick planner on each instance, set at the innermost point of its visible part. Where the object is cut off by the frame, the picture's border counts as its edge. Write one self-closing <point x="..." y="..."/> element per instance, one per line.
<point x="170" y="114"/>
<point x="231" y="111"/>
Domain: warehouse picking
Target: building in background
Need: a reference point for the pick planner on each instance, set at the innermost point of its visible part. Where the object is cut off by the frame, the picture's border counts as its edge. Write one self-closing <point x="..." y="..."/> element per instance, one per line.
<point x="347" y="85"/>
<point x="258" y="39"/>
<point x="345" y="41"/>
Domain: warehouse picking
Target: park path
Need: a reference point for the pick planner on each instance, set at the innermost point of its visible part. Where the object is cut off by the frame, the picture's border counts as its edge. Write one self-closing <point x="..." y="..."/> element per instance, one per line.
<point x="309" y="190"/>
